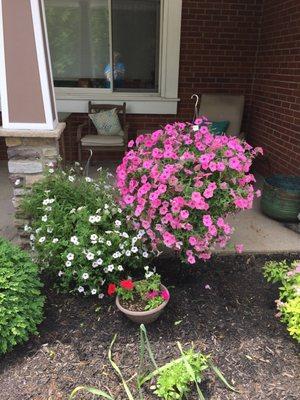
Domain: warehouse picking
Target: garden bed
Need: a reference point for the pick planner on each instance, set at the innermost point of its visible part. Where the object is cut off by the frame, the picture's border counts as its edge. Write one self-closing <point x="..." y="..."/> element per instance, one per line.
<point x="232" y="319"/>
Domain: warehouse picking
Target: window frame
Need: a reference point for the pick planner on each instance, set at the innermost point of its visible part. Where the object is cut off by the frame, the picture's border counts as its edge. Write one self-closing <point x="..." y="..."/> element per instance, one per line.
<point x="162" y="102"/>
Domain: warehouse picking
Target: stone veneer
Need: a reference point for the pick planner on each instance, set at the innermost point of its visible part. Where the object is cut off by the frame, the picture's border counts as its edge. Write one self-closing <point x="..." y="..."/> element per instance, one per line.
<point x="30" y="153"/>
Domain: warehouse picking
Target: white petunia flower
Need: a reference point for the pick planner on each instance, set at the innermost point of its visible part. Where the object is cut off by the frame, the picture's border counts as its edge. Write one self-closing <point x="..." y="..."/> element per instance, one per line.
<point x="121" y="246"/>
<point x="105" y="270"/>
<point x="120" y="268"/>
<point x="128" y="253"/>
<point x="49" y="230"/>
<point x="42" y="239"/>
<point x="100" y="296"/>
<point x="100" y="261"/>
<point x="148" y="274"/>
<point x="118" y="223"/>
<point x="68" y="263"/>
<point x="117" y="254"/>
<point x="145" y="254"/>
<point x="27" y="228"/>
<point x="92" y="219"/>
<point x="119" y="210"/>
<point x="17" y="182"/>
<point x="88" y="179"/>
<point x="99" y="252"/>
<point x="94" y="237"/>
<point x="48" y="208"/>
<point x="110" y="268"/>
<point x="45" y="202"/>
<point x="70" y="256"/>
<point x="73" y="211"/>
<point x="74" y="240"/>
<point x="141" y="233"/>
<point x="90" y="256"/>
<point x="55" y="240"/>
<point x="125" y="235"/>
<point x="71" y="178"/>
<point x="32" y="237"/>
<point x="61" y="273"/>
<point x="85" y="276"/>
<point x="51" y="170"/>
<point x="106" y="206"/>
<point x="134" y="249"/>
<point x="94" y="291"/>
<point x="108" y="242"/>
<point x="80" y="289"/>
<point x="38" y="230"/>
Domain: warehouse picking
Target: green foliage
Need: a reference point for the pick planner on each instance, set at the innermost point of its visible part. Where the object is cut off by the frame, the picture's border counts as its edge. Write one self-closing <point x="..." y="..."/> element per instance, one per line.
<point x="79" y="232"/>
<point x="151" y="284"/>
<point x="175" y="380"/>
<point x="21" y="301"/>
<point x="148" y="290"/>
<point x="274" y="271"/>
<point x="288" y="303"/>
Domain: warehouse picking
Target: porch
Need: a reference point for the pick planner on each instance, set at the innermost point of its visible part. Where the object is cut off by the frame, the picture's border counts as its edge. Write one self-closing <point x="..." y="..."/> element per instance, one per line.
<point x="258" y="233"/>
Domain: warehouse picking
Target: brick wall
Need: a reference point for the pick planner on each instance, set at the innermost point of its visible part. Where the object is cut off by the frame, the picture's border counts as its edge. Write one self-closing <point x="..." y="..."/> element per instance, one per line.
<point x="221" y="52"/>
<point x="275" y="120"/>
<point x="217" y="55"/>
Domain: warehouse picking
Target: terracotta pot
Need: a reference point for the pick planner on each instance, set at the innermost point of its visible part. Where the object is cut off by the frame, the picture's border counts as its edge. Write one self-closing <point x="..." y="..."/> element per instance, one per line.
<point x="143" y="317"/>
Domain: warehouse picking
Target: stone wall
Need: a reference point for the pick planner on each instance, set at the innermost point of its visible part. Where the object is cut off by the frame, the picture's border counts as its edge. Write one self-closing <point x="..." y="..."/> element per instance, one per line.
<point x="29" y="153"/>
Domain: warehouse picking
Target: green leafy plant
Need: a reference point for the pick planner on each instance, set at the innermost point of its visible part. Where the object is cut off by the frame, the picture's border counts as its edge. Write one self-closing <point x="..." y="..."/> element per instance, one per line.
<point x="173" y="380"/>
<point x="21" y="301"/>
<point x="288" y="304"/>
<point x="79" y="233"/>
<point x="147" y="292"/>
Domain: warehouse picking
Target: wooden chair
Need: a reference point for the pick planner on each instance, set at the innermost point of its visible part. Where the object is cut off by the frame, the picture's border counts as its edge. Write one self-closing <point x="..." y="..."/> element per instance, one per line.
<point x="89" y="139"/>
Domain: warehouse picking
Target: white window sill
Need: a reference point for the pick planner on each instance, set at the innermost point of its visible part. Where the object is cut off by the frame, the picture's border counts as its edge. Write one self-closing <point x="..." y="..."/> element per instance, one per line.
<point x="76" y="100"/>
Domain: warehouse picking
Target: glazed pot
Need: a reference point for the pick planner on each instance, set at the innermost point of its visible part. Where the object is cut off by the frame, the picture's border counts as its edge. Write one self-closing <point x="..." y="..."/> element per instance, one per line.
<point x="143" y="317"/>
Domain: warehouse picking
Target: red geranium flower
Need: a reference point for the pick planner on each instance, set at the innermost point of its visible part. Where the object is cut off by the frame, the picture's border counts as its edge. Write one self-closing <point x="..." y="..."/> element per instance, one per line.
<point x="127" y="284"/>
<point x="111" y="289"/>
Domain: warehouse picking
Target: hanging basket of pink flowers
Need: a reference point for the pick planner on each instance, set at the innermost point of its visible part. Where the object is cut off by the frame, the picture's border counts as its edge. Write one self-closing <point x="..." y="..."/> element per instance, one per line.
<point x="179" y="184"/>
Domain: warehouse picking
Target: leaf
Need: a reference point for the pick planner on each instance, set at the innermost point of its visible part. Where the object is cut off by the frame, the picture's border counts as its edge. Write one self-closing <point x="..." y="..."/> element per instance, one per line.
<point x="221" y="377"/>
<point x="91" y="390"/>
<point x="191" y="371"/>
<point x="117" y="369"/>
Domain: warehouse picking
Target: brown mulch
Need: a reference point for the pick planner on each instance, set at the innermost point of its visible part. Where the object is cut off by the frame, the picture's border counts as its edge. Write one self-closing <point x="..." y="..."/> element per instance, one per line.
<point x="233" y="321"/>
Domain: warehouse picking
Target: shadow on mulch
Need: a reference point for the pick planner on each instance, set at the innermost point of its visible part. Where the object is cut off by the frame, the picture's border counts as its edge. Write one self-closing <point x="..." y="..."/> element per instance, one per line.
<point x="233" y="321"/>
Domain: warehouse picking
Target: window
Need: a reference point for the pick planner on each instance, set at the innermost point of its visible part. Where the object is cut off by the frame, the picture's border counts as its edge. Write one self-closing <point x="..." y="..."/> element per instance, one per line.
<point x="140" y="39"/>
<point x="86" y="37"/>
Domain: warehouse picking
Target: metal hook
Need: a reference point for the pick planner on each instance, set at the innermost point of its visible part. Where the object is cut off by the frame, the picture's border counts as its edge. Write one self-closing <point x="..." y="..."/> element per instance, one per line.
<point x="196" y="111"/>
<point x="87" y="165"/>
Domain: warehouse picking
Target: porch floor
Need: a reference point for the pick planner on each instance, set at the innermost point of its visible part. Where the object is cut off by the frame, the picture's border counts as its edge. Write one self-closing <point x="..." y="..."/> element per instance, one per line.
<point x="258" y="233"/>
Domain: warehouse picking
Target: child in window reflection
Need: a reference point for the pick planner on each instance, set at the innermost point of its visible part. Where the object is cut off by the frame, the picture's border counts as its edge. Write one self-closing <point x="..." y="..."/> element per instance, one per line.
<point x="119" y="71"/>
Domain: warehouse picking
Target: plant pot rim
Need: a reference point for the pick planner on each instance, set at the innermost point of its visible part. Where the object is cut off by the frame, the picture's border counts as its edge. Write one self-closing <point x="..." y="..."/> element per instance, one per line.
<point x="143" y="313"/>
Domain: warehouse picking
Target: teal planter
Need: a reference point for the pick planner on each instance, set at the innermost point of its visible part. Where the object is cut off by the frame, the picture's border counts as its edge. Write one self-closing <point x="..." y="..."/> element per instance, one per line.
<point x="281" y="198"/>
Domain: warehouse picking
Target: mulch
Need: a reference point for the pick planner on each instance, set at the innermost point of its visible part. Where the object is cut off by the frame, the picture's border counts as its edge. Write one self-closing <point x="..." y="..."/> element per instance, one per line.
<point x="233" y="321"/>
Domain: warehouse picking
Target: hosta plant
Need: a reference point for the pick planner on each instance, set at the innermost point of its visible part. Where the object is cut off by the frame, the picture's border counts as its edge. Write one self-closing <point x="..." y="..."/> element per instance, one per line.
<point x="79" y="233"/>
<point x="181" y="182"/>
<point x="21" y="301"/>
<point x="288" y="304"/>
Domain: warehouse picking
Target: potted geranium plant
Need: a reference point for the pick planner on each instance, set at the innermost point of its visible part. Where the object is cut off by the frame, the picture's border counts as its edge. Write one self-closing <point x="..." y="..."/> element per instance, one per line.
<point x="142" y="301"/>
<point x="181" y="182"/>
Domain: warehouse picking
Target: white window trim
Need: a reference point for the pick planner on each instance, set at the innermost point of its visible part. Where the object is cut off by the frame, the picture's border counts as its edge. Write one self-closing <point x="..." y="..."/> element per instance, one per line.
<point x="164" y="102"/>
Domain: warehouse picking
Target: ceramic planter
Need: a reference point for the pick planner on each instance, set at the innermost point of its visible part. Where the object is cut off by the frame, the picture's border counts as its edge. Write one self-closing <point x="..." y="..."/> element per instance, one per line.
<point x="143" y="317"/>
